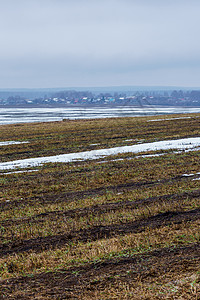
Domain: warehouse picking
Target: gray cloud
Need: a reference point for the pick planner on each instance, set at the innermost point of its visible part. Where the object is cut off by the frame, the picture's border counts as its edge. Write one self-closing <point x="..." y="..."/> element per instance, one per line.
<point x="87" y="43"/>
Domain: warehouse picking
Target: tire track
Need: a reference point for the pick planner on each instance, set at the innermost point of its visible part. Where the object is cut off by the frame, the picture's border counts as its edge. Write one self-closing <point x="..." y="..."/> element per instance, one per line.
<point x="99" y="232"/>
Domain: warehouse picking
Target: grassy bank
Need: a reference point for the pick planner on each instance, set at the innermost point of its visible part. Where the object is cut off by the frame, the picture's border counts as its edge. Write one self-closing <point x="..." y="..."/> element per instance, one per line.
<point x="124" y="227"/>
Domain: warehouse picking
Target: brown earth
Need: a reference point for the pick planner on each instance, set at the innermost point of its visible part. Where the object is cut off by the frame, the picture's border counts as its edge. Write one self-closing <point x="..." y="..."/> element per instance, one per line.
<point x="71" y="196"/>
<point x="99" y="232"/>
<point x="103" y="208"/>
<point x="134" y="270"/>
<point x="119" y="256"/>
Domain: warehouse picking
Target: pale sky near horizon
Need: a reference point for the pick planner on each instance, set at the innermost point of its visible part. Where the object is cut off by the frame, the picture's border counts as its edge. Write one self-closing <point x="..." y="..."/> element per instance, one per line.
<point x="62" y="43"/>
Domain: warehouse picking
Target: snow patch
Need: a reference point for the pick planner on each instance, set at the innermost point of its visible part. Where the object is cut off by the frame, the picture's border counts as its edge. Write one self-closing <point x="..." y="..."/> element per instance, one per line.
<point x="24" y="171"/>
<point x="169" y="119"/>
<point x="181" y="144"/>
<point x="151" y="155"/>
<point x="188" y="175"/>
<point x="129" y="140"/>
<point x="192" y="174"/>
<point x="11" y="143"/>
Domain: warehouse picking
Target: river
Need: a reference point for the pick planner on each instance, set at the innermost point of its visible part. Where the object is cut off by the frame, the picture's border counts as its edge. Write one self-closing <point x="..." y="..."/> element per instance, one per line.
<point x="24" y="115"/>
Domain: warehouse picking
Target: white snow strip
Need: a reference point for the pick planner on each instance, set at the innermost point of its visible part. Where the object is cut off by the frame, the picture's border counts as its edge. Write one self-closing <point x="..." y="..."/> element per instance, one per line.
<point x="195" y="179"/>
<point x="188" y="175"/>
<point x="181" y="144"/>
<point x="24" y="171"/>
<point x="106" y="161"/>
<point x="11" y="143"/>
<point x="151" y="155"/>
<point x="139" y="156"/>
<point x="169" y="119"/>
<point x="192" y="174"/>
<point x="129" y="140"/>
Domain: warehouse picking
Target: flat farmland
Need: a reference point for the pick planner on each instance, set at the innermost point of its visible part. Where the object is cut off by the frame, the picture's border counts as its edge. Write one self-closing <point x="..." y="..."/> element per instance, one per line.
<point x="121" y="225"/>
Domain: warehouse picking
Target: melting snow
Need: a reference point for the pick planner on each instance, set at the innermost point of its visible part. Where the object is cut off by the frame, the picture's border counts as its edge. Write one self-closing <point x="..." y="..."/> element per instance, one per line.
<point x="181" y="144"/>
<point x="169" y="119"/>
<point x="188" y="175"/>
<point x="106" y="161"/>
<point x="139" y="156"/>
<point x="151" y="155"/>
<point x="192" y="174"/>
<point x="24" y="171"/>
<point x="129" y="140"/>
<point x="11" y="143"/>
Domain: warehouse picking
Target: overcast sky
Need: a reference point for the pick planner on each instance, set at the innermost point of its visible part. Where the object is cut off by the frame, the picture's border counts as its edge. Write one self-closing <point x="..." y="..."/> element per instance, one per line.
<point x="65" y="43"/>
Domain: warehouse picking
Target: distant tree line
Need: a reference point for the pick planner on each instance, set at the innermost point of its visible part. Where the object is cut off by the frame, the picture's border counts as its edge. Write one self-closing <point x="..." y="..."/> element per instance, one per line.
<point x="73" y="97"/>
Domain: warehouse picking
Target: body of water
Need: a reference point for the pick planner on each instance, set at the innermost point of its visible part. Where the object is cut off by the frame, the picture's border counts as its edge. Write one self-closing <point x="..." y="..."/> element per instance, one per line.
<point x="24" y="115"/>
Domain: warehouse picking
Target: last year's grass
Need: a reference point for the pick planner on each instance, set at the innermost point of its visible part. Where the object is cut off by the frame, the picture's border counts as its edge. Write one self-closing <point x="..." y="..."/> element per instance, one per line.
<point x="124" y="229"/>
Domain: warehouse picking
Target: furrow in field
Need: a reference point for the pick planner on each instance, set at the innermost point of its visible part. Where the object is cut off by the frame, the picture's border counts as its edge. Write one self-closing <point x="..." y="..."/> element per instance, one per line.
<point x="133" y="270"/>
<point x="99" y="232"/>
<point x="103" y="208"/>
<point x="71" y="196"/>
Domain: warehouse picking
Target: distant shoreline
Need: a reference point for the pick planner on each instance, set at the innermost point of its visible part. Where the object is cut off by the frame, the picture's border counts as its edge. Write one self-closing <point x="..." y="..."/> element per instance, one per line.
<point x="94" y="106"/>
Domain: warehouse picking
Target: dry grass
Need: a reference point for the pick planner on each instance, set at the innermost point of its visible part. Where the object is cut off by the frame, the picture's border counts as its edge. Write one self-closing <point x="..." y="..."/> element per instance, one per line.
<point x="138" y="205"/>
<point x="76" y="254"/>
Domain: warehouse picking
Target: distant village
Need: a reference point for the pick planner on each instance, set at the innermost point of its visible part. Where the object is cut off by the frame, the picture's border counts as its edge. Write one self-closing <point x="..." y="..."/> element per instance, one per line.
<point x="86" y="98"/>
